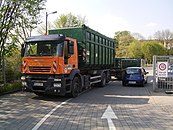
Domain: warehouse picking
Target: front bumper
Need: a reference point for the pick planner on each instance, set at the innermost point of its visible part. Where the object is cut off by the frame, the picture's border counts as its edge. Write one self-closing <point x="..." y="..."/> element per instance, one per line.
<point x="47" y="84"/>
<point x="133" y="82"/>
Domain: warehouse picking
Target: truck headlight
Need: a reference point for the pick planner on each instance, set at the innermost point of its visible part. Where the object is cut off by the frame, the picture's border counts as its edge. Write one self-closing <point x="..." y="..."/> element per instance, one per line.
<point x="58" y="85"/>
<point x="23" y="78"/>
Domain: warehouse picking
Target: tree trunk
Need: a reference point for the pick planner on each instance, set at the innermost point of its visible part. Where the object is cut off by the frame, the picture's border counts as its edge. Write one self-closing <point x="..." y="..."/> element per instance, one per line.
<point x="3" y="69"/>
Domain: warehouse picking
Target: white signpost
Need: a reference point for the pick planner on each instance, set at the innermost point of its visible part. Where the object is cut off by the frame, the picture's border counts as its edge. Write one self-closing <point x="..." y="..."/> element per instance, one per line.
<point x="162" y="69"/>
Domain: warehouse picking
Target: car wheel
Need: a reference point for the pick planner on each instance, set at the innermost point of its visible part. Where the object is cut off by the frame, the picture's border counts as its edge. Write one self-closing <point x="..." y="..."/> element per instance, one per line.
<point x="142" y="84"/>
<point x="124" y="83"/>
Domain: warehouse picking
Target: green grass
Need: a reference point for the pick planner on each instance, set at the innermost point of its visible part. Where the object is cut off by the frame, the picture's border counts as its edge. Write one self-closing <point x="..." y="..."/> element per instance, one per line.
<point x="10" y="87"/>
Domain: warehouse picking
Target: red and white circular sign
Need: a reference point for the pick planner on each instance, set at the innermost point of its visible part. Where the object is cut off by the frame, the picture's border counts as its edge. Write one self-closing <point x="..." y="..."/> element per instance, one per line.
<point x="162" y="66"/>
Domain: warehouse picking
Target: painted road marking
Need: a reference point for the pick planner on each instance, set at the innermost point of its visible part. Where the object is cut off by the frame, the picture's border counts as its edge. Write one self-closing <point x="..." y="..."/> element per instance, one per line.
<point x="50" y="113"/>
<point x="109" y="115"/>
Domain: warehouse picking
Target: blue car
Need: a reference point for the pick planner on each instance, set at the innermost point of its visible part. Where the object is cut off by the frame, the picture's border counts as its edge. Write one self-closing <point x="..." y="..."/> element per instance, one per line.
<point x="134" y="76"/>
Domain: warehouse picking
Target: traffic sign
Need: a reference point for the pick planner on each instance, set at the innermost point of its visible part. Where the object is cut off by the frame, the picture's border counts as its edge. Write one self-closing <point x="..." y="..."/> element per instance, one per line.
<point x="162" y="69"/>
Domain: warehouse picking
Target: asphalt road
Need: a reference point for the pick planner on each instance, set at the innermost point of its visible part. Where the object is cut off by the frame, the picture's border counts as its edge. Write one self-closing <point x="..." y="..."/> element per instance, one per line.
<point x="113" y="107"/>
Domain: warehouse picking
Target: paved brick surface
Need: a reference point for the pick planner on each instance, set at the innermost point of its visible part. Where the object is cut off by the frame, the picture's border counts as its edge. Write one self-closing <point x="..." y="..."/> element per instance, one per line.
<point x="137" y="108"/>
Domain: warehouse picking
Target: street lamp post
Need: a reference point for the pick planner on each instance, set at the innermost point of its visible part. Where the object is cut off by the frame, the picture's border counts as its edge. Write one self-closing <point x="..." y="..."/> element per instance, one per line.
<point x="47" y="17"/>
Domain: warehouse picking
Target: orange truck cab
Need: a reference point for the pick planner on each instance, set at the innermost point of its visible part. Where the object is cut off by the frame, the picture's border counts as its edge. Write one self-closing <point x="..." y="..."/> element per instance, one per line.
<point x="58" y="65"/>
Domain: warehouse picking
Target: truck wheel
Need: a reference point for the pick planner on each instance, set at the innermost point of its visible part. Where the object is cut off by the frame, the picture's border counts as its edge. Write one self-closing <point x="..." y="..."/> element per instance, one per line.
<point x="108" y="77"/>
<point x="103" y="80"/>
<point x="75" y="87"/>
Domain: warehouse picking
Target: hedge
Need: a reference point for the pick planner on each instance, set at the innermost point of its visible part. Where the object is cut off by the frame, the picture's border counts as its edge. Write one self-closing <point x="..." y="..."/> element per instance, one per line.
<point x="10" y="87"/>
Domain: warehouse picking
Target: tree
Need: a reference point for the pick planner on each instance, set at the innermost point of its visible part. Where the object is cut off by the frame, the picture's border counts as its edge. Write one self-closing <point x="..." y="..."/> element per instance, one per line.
<point x="69" y="20"/>
<point x="137" y="36"/>
<point x="42" y="28"/>
<point x="64" y="20"/>
<point x="124" y="39"/>
<point x="151" y="48"/>
<point x="27" y="20"/>
<point x="13" y="61"/>
<point x="165" y="37"/>
<point x="17" y="16"/>
<point x="9" y="12"/>
<point x="135" y="50"/>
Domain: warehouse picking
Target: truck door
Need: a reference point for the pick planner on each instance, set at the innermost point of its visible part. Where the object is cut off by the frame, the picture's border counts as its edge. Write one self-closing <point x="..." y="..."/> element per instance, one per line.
<point x="70" y="55"/>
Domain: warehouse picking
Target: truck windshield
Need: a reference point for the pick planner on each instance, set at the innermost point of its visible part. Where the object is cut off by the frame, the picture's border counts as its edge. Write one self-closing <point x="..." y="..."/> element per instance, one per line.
<point x="44" y="49"/>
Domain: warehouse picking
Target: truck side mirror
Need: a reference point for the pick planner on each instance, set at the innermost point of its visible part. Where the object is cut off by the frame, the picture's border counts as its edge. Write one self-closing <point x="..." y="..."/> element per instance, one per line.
<point x="22" y="50"/>
<point x="66" y="56"/>
<point x="68" y="49"/>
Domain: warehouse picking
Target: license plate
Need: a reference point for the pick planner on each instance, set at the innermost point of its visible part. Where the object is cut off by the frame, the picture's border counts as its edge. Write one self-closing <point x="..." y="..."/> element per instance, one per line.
<point x="38" y="84"/>
<point x="132" y="82"/>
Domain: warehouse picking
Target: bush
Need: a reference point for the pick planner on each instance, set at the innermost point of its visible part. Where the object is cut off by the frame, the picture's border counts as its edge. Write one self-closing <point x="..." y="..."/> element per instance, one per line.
<point x="12" y="65"/>
<point x="16" y="86"/>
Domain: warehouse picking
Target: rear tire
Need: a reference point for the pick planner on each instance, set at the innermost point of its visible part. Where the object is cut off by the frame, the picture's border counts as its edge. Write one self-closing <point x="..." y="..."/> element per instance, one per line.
<point x="142" y="85"/>
<point x="103" y="80"/>
<point x="124" y="83"/>
<point x="108" y="76"/>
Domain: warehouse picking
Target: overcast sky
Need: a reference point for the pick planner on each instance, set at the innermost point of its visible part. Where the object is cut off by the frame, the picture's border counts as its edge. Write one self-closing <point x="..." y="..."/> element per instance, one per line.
<point x="108" y="16"/>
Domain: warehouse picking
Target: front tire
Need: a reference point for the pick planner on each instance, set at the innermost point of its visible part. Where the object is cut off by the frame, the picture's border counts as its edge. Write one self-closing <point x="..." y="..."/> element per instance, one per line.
<point x="75" y="87"/>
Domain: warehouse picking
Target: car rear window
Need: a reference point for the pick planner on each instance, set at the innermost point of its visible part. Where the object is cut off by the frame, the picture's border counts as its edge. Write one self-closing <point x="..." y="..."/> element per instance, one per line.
<point x="133" y="71"/>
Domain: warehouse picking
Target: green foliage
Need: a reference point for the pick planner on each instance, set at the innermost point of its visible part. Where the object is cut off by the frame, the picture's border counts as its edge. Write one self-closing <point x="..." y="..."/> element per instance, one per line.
<point x="10" y="49"/>
<point x="169" y="51"/>
<point x="135" y="50"/>
<point x="124" y="39"/>
<point x="12" y="66"/>
<point x="64" y="20"/>
<point x="69" y="20"/>
<point x="18" y="19"/>
<point x="9" y="14"/>
<point x="16" y="86"/>
<point x="129" y="47"/>
<point x="122" y="51"/>
<point x="27" y="20"/>
<point x="151" y="48"/>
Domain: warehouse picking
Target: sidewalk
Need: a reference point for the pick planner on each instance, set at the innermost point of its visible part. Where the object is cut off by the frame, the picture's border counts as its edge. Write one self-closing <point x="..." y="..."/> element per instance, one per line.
<point x="160" y="99"/>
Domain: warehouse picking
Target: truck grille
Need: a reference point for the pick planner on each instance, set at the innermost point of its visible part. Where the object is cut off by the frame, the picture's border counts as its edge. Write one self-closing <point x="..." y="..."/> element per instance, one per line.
<point x="39" y="68"/>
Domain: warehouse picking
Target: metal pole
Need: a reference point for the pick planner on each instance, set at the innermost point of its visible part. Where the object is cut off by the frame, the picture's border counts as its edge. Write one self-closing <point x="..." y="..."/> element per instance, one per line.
<point x="47" y="17"/>
<point x="154" y="73"/>
<point x="46" y="22"/>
